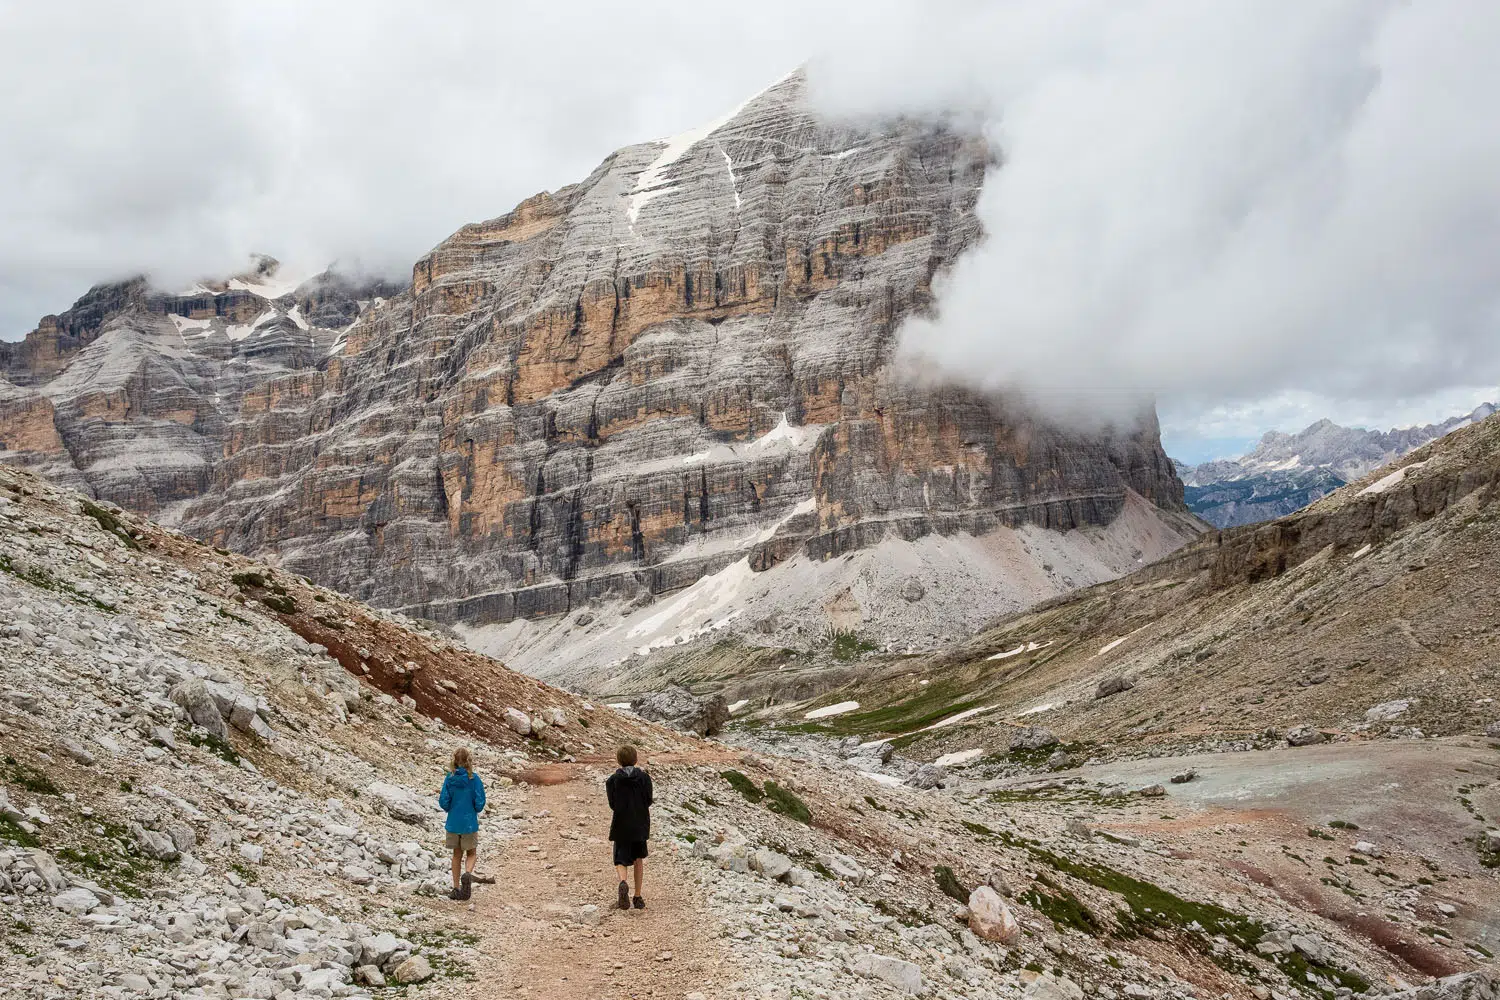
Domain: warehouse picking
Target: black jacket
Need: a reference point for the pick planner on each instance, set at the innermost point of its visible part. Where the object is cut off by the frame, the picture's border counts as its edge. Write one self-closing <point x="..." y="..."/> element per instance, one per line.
<point x="629" y="794"/>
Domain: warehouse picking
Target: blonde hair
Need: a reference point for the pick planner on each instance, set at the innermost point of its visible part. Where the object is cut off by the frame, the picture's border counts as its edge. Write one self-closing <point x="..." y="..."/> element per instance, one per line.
<point x="461" y="760"/>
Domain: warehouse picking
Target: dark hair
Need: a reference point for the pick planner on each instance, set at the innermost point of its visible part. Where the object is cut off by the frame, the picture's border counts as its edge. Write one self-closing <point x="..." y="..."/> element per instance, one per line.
<point x="626" y="755"/>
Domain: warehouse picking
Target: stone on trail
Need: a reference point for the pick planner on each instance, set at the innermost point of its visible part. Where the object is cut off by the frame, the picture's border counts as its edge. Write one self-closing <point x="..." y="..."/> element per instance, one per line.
<point x="1183" y="777"/>
<point x="1113" y="685"/>
<point x="990" y="918"/>
<point x="1303" y="736"/>
<point x="903" y="975"/>
<point x="1493" y="730"/>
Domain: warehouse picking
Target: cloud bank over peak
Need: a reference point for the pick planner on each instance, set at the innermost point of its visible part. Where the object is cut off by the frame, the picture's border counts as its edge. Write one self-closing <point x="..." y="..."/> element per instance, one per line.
<point x="1210" y="202"/>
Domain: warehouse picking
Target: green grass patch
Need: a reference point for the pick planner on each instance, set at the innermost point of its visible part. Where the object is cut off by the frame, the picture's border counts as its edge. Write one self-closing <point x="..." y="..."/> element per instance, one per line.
<point x="11" y="833"/>
<point x="783" y="800"/>
<point x="1063" y="908"/>
<point x="740" y="783"/>
<point x="849" y="645"/>
<point x="949" y="883"/>
<point x="219" y="748"/>
<point x="279" y="603"/>
<point x="110" y="523"/>
<point x="32" y="779"/>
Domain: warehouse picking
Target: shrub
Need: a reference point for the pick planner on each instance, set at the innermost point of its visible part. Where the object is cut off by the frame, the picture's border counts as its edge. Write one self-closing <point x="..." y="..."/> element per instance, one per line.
<point x="787" y="802"/>
<point x="743" y="785"/>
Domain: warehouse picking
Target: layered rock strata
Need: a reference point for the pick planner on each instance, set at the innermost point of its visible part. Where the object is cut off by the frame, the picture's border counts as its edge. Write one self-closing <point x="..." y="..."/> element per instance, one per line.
<point x="680" y="362"/>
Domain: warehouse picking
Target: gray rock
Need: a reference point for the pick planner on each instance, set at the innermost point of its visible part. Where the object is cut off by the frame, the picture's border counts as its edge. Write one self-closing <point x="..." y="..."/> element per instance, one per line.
<point x="1112" y="686"/>
<point x="414" y="970"/>
<point x="401" y="803"/>
<point x="1303" y="736"/>
<point x="1493" y="730"/>
<point x="1060" y="760"/>
<point x="75" y="750"/>
<point x="253" y="853"/>
<point x="518" y="721"/>
<point x="1033" y="738"/>
<point x="75" y="901"/>
<point x="912" y="590"/>
<point x="369" y="975"/>
<point x="1183" y="777"/>
<point x="770" y="864"/>
<point x="1387" y="711"/>
<point x="901" y="974"/>
<point x="47" y="869"/>
<point x="928" y="776"/>
<point x="194" y="697"/>
<point x="153" y="844"/>
<point x="681" y="709"/>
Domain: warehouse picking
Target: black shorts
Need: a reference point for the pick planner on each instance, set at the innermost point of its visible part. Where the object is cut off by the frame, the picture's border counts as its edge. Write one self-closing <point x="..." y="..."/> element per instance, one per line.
<point x="627" y="852"/>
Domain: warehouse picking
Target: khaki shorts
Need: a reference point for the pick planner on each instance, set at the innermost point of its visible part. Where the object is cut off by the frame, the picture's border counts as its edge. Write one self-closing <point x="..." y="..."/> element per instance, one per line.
<point x="463" y="841"/>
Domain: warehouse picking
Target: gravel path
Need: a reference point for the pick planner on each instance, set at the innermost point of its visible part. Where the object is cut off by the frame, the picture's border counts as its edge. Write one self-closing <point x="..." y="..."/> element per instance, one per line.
<point x="539" y="940"/>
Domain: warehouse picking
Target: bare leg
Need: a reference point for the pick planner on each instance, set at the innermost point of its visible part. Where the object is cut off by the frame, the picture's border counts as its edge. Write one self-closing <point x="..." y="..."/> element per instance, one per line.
<point x="640" y="874"/>
<point x="623" y="873"/>
<point x="458" y="857"/>
<point x="473" y="857"/>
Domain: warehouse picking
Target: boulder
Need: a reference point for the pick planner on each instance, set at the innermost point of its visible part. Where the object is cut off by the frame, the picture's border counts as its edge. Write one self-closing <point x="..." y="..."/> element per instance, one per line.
<point x="75" y="750"/>
<point x="903" y="975"/>
<point x="153" y="844"/>
<point x="1493" y="730"/>
<point x="1060" y="760"/>
<point x="518" y="721"/>
<point x="401" y="803"/>
<point x="1490" y="841"/>
<point x="770" y="864"/>
<point x="414" y="970"/>
<point x="681" y="709"/>
<point x="1183" y="777"/>
<point x="555" y="717"/>
<point x="1033" y="738"/>
<point x="75" y="901"/>
<point x="1050" y="987"/>
<point x="990" y="918"/>
<point x="1303" y="736"/>
<point x="912" y="590"/>
<point x="1113" y="685"/>
<point x="928" y="776"/>
<point x="369" y="975"/>
<point x="194" y="698"/>
<point x="1387" y="711"/>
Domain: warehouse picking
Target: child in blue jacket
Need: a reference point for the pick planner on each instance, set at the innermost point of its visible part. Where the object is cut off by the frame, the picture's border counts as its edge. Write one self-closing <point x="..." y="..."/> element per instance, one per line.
<point x="462" y="799"/>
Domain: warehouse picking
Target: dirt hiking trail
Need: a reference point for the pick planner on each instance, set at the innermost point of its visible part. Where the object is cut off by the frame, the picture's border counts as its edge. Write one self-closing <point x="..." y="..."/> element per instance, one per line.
<point x="558" y="861"/>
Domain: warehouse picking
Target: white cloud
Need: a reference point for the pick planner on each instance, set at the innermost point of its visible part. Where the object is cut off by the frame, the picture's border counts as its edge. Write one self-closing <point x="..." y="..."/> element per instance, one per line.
<point x="1213" y="202"/>
<point x="1226" y="205"/>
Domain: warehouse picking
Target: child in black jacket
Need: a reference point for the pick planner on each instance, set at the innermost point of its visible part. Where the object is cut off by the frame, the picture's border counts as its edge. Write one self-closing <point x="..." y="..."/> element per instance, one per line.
<point x="629" y="794"/>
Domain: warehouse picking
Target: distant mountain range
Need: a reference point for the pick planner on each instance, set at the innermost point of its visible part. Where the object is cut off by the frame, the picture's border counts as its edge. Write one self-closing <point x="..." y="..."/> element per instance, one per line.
<point x="1286" y="472"/>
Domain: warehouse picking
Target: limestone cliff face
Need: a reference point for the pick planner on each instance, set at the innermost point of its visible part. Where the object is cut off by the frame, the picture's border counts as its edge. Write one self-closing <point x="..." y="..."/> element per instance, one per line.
<point x="680" y="362"/>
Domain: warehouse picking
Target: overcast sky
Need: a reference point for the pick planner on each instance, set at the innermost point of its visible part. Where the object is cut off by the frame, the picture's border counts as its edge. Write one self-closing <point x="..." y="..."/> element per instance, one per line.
<point x="1259" y="212"/>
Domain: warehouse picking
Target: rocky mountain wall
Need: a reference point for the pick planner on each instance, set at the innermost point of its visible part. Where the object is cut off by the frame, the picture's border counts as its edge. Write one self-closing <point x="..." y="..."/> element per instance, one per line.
<point x="682" y="361"/>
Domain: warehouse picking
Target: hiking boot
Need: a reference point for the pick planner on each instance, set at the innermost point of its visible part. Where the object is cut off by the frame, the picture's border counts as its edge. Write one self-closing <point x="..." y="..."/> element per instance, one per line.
<point x="624" y="895"/>
<point x="467" y="888"/>
<point x="457" y="894"/>
<point x="640" y="904"/>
